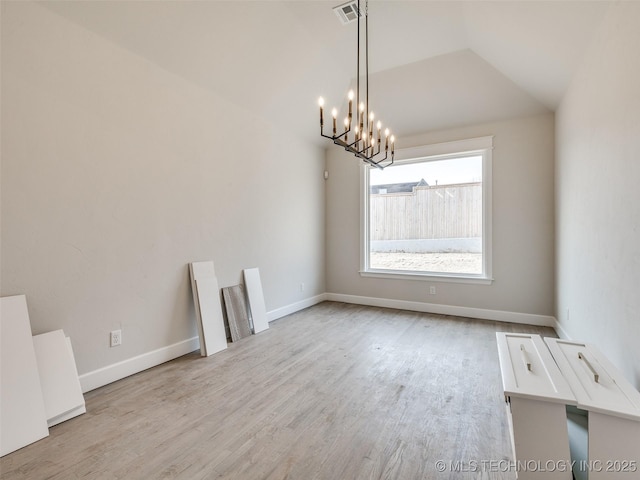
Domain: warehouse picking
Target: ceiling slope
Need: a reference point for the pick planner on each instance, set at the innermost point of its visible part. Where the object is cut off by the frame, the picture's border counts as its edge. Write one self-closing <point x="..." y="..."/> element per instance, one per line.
<point x="434" y="64"/>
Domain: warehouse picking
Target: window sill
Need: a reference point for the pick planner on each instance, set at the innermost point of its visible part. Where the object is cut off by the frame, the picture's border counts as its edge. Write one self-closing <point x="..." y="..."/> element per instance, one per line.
<point x="428" y="277"/>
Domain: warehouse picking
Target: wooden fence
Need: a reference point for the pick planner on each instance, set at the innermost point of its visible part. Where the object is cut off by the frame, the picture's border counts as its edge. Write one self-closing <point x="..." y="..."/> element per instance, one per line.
<point x="446" y="211"/>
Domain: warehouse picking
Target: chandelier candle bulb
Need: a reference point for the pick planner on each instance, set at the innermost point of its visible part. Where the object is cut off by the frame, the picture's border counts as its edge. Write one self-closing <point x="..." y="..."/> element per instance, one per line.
<point x="334" y="114"/>
<point x="350" y="105"/>
<point x="321" y="103"/>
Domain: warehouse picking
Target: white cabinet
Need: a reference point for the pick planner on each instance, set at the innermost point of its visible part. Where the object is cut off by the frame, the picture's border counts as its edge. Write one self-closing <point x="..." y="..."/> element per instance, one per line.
<point x="536" y="394"/>
<point x="605" y="426"/>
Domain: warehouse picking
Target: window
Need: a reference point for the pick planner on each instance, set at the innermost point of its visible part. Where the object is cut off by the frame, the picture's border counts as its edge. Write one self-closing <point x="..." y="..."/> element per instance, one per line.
<point x="428" y="214"/>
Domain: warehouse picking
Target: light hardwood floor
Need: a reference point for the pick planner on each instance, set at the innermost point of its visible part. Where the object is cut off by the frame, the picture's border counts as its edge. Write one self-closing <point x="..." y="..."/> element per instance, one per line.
<point x="333" y="392"/>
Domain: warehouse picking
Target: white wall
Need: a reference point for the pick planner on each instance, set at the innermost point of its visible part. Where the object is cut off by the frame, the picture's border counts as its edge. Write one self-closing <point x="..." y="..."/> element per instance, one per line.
<point x="523" y="226"/>
<point x="117" y="173"/>
<point x="598" y="194"/>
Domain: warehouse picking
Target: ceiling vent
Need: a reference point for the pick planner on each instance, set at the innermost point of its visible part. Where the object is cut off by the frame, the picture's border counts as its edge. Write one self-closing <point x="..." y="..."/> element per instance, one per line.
<point x="347" y="12"/>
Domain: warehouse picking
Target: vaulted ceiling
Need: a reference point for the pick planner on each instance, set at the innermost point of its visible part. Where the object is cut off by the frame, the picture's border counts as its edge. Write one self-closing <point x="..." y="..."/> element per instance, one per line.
<point x="434" y="64"/>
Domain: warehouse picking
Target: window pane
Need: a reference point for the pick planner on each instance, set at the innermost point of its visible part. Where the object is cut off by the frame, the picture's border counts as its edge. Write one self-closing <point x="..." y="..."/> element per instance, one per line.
<point x="427" y="216"/>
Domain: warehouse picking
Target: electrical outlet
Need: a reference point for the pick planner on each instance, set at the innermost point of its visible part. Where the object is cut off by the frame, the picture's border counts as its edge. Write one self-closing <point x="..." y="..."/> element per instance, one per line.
<point x="116" y="338"/>
<point x="301" y="287"/>
<point x="432" y="290"/>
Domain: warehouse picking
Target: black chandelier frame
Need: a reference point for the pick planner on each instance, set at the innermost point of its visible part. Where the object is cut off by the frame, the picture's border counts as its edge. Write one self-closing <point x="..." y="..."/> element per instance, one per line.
<point x="368" y="152"/>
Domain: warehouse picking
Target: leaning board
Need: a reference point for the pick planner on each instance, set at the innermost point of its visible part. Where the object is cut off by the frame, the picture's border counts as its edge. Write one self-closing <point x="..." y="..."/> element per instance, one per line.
<point x="236" y="307"/>
<point x="206" y="300"/>
<point x="22" y="414"/>
<point x="256" y="299"/>
<point x="61" y="389"/>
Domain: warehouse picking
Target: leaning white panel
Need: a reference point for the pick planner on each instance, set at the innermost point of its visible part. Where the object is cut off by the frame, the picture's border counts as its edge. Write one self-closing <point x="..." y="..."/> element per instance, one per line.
<point x="206" y="300"/>
<point x="22" y="415"/>
<point x="256" y="299"/>
<point x="61" y="389"/>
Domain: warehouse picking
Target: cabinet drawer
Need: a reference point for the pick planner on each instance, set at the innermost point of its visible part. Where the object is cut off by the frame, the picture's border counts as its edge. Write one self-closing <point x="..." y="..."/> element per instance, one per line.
<point x="598" y="386"/>
<point x="529" y="371"/>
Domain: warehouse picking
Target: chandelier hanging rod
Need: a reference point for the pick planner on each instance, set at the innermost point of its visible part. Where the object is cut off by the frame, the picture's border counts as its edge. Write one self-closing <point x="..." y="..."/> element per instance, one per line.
<point x="368" y="151"/>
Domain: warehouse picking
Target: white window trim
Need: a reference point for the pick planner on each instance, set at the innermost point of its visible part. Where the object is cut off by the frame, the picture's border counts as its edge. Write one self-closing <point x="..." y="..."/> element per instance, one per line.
<point x="479" y="145"/>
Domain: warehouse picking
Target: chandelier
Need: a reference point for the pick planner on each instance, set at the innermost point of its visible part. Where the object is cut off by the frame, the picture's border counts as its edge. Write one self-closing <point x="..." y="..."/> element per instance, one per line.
<point x="365" y="142"/>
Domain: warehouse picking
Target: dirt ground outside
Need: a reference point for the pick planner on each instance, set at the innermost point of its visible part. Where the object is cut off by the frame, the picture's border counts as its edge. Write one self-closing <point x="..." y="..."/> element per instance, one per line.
<point x="428" y="262"/>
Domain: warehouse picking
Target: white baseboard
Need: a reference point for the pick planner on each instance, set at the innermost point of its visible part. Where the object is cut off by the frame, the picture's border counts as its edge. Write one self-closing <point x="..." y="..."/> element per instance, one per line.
<point x="497" y="315"/>
<point x="295" y="307"/>
<point x="111" y="373"/>
<point x="562" y="333"/>
<point x="103" y="376"/>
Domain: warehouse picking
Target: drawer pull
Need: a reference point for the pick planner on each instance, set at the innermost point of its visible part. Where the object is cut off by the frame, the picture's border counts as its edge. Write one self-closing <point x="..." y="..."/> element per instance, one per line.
<point x="588" y="364"/>
<point x="525" y="357"/>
